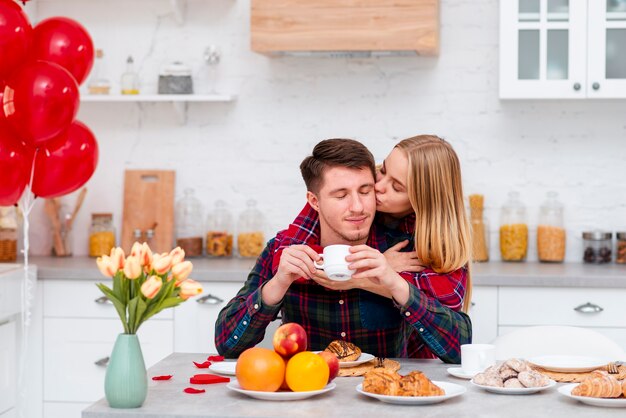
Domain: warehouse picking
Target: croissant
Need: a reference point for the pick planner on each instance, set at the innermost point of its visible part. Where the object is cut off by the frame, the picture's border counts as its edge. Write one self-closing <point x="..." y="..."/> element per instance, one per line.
<point x="624" y="388"/>
<point x="382" y="381"/>
<point x="417" y="384"/>
<point x="599" y="387"/>
<point x="344" y="350"/>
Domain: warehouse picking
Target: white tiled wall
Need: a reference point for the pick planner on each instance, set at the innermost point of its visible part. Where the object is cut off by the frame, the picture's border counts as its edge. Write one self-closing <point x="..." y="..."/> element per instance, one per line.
<point x="251" y="148"/>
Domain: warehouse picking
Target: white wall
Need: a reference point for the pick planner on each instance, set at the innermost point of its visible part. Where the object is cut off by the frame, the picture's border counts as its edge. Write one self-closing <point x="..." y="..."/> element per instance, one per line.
<point x="251" y="148"/>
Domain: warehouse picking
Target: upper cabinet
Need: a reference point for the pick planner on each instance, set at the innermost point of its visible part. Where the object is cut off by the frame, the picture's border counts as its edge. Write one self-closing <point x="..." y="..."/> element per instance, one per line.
<point x="562" y="49"/>
<point x="355" y="26"/>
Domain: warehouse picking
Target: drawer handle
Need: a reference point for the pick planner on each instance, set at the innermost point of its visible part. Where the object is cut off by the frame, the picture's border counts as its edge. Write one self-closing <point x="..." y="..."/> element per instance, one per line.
<point x="588" y="308"/>
<point x="103" y="300"/>
<point x="103" y="362"/>
<point x="210" y="300"/>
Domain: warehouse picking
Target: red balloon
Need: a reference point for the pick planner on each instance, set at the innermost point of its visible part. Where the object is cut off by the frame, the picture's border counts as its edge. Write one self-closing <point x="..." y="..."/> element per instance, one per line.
<point x="14" y="167"/>
<point x="15" y="37"/>
<point x="40" y="101"/>
<point x="65" y="42"/>
<point x="67" y="164"/>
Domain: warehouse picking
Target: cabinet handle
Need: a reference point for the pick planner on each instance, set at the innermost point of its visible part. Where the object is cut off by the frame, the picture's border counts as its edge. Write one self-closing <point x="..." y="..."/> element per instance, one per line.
<point x="210" y="300"/>
<point x="102" y="300"/>
<point x="103" y="362"/>
<point x="588" y="308"/>
<point x="576" y="86"/>
<point x="595" y="86"/>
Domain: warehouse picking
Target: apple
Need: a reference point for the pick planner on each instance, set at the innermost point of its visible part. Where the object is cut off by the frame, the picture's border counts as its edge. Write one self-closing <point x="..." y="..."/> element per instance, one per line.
<point x="289" y="339"/>
<point x="333" y="364"/>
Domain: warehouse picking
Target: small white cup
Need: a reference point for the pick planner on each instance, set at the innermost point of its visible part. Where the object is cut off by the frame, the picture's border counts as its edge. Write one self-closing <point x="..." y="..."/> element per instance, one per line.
<point x="475" y="358"/>
<point x="334" y="262"/>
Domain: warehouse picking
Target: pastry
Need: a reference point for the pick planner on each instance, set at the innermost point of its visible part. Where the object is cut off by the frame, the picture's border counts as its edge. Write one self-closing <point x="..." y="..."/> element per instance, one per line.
<point x="417" y="384"/>
<point x="506" y="372"/>
<point x="489" y="379"/>
<point x="344" y="350"/>
<point x="513" y="383"/>
<point x="604" y="386"/>
<point x="517" y="364"/>
<point x="624" y="388"/>
<point x="533" y="379"/>
<point x="382" y="381"/>
<point x="361" y="369"/>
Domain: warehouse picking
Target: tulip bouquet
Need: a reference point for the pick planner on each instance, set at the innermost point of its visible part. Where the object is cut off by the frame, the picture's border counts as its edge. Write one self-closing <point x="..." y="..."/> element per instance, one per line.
<point x="144" y="283"/>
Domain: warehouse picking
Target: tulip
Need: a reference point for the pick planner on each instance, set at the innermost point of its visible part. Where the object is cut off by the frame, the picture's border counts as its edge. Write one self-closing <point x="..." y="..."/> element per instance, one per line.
<point x="178" y="255"/>
<point x="150" y="288"/>
<point x="145" y="255"/>
<point x="189" y="288"/>
<point x="161" y="263"/>
<point x="132" y="268"/>
<point x="105" y="265"/>
<point x="117" y="258"/>
<point x="182" y="270"/>
<point x="135" y="251"/>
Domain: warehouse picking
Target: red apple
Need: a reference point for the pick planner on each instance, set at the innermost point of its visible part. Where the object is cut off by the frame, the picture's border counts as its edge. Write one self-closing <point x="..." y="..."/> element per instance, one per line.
<point x="333" y="364"/>
<point x="290" y="339"/>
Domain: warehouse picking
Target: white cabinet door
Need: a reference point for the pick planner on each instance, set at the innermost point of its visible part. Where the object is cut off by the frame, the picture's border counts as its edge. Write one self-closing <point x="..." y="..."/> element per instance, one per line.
<point x="8" y="362"/>
<point x="606" y="63"/>
<point x="484" y="313"/>
<point x="543" y="48"/>
<point x="615" y="334"/>
<point x="194" y="320"/>
<point x="63" y="409"/>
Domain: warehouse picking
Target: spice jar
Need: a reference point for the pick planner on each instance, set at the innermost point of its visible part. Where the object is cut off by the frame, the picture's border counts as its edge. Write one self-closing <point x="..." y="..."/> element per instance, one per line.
<point x="219" y="236"/>
<point x="189" y="224"/>
<point x="250" y="238"/>
<point x="8" y="234"/>
<point x="101" y="234"/>
<point x="513" y="229"/>
<point x="620" y="248"/>
<point x="480" y="229"/>
<point x="597" y="247"/>
<point x="550" y="231"/>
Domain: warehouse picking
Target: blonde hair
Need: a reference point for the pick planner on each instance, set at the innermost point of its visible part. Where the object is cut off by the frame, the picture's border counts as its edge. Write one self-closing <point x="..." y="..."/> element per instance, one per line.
<point x="442" y="230"/>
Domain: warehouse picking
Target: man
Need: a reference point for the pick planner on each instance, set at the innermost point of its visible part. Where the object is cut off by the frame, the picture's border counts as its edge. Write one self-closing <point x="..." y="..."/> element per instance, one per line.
<point x="339" y="176"/>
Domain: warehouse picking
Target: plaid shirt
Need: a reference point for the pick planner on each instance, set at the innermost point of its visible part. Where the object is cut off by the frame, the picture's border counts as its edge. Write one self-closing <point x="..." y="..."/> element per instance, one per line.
<point x="375" y="323"/>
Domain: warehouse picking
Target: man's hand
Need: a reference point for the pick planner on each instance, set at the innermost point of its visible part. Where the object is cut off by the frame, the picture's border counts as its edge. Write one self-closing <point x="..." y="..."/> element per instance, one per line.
<point x="295" y="261"/>
<point x="406" y="261"/>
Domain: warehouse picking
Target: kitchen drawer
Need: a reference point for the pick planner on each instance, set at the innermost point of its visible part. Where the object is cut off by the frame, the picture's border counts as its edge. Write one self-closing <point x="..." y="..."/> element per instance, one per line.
<point x="73" y="346"/>
<point x="8" y="361"/>
<point x="81" y="299"/>
<point x="63" y="409"/>
<point x="615" y="334"/>
<point x="558" y="306"/>
<point x="484" y="314"/>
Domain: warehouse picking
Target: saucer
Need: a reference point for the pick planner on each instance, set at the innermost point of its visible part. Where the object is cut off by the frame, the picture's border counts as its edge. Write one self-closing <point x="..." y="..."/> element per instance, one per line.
<point x="458" y="372"/>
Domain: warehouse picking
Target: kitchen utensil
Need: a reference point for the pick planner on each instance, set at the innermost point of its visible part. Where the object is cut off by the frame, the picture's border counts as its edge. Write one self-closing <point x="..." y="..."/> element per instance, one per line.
<point x="79" y="202"/>
<point x="51" y="208"/>
<point x="613" y="367"/>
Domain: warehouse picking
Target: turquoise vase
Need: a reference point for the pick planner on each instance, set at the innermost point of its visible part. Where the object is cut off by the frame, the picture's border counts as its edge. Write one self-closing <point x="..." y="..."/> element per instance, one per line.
<point x="126" y="381"/>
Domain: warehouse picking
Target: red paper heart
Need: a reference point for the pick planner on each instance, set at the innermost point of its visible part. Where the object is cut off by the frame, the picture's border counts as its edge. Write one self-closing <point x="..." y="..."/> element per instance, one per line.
<point x="207" y="379"/>
<point x="215" y="358"/>
<point x="164" y="377"/>
<point x="204" y="365"/>
<point x="193" y="390"/>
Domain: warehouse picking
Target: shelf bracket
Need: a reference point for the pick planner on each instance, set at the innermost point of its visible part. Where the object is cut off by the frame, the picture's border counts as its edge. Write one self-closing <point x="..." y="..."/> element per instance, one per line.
<point x="181" y="111"/>
<point x="179" y="8"/>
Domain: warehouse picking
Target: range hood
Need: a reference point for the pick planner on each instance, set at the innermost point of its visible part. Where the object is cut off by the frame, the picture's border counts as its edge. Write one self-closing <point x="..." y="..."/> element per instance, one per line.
<point x="360" y="28"/>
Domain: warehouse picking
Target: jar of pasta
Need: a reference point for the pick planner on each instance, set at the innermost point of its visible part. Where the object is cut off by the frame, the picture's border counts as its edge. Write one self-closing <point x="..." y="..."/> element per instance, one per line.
<point x="101" y="234"/>
<point x="8" y="233"/>
<point x="550" y="230"/>
<point x="250" y="237"/>
<point x="189" y="224"/>
<point x="219" y="235"/>
<point x="513" y="229"/>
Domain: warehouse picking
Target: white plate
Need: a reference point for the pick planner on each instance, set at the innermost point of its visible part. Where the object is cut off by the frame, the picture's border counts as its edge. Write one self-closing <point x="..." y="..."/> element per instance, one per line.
<point x="568" y="364"/>
<point x="609" y="403"/>
<point x="458" y="372"/>
<point x="452" y="390"/>
<point x="363" y="358"/>
<point x="513" y="391"/>
<point x="280" y="396"/>
<point x="224" y="367"/>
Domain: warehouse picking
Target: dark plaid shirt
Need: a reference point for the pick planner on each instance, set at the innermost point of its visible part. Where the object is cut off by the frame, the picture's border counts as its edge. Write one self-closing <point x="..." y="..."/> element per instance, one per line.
<point x="374" y="323"/>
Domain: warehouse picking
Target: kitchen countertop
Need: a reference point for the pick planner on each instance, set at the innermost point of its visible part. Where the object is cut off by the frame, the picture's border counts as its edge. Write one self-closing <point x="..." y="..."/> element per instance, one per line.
<point x="167" y="400"/>
<point x="495" y="273"/>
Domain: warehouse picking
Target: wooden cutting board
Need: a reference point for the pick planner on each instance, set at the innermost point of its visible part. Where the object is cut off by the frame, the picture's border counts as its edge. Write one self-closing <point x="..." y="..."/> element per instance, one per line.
<point x="149" y="200"/>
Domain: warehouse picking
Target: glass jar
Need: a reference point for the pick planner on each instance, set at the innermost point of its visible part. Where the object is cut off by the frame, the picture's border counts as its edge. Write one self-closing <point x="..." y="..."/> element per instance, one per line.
<point x="189" y="224"/>
<point x="101" y="234"/>
<point x="219" y="235"/>
<point x="550" y="230"/>
<point x="597" y="247"/>
<point x="513" y="229"/>
<point x="620" y="248"/>
<point x="480" y="229"/>
<point x="250" y="238"/>
<point x="8" y="233"/>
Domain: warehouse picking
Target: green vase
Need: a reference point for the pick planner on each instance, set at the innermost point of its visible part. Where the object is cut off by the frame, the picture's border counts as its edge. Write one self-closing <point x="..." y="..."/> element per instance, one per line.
<point x="126" y="381"/>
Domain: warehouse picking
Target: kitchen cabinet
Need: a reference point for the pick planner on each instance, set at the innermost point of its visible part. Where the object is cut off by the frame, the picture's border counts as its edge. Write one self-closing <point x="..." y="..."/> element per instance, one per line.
<point x="484" y="314"/>
<point x="572" y="49"/>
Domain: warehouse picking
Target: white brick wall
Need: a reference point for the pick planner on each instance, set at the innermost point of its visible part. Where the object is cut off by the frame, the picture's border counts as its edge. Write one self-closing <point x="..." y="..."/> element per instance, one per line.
<point x="252" y="148"/>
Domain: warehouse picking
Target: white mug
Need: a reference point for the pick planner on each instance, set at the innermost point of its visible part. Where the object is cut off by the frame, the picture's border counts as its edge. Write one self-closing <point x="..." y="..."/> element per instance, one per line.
<point x="334" y="262"/>
<point x="475" y="358"/>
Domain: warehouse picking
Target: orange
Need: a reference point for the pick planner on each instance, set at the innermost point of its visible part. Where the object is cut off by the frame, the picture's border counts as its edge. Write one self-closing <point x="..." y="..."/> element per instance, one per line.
<point x="260" y="369"/>
<point x="306" y="371"/>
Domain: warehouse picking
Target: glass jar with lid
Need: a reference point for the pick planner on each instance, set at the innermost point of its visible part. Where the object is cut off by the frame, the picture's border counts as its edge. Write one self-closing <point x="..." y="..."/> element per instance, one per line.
<point x="8" y="233"/>
<point x="597" y="247"/>
<point x="101" y="234"/>
<point x="550" y="230"/>
<point x="250" y="237"/>
<point x="219" y="235"/>
<point x="620" y="247"/>
<point x="480" y="229"/>
<point x="513" y="229"/>
<point x="189" y="226"/>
